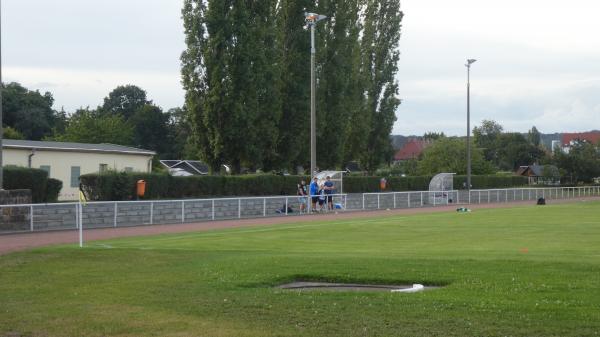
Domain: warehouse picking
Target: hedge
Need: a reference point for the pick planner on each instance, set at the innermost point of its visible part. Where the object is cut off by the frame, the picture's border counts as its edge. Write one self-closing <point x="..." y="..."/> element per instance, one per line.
<point x="43" y="189"/>
<point x="122" y="186"/>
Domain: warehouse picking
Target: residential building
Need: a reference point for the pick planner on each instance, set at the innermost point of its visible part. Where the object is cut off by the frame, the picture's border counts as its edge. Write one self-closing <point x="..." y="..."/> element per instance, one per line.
<point x="67" y="161"/>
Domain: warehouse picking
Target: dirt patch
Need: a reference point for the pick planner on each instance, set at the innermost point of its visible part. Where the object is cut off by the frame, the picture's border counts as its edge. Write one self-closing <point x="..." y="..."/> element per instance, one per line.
<point x="326" y="286"/>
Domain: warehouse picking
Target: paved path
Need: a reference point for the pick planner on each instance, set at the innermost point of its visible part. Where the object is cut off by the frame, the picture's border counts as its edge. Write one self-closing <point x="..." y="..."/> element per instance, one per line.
<point x="17" y="242"/>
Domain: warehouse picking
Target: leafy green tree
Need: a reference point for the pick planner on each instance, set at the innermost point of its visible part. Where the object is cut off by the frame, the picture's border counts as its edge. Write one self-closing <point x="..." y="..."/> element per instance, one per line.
<point x="293" y="47"/>
<point x="534" y="136"/>
<point x="431" y="136"/>
<point x="513" y="150"/>
<point x="10" y="133"/>
<point x="450" y="155"/>
<point x="124" y="100"/>
<point x="85" y="126"/>
<point x="581" y="164"/>
<point x="379" y="49"/>
<point x="486" y="138"/>
<point x="150" y="129"/>
<point x="28" y="112"/>
<point x="180" y="135"/>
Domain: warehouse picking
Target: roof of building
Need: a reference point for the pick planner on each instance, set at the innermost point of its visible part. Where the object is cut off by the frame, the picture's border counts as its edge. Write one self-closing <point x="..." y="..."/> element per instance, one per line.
<point x="72" y="147"/>
<point x="592" y="137"/>
<point x="411" y="150"/>
<point x="535" y="170"/>
<point x="193" y="167"/>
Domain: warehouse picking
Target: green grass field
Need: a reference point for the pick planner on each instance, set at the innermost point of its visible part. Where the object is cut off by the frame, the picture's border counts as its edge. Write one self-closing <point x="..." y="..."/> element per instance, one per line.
<point x="527" y="271"/>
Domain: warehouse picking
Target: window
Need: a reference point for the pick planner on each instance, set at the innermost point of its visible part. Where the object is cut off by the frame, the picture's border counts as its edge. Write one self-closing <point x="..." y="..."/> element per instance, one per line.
<point x="103" y="168"/>
<point x="129" y="169"/>
<point x="75" y="172"/>
<point x="45" y="168"/>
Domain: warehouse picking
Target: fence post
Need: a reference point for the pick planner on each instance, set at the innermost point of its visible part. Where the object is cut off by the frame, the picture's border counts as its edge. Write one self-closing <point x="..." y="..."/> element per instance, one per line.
<point x="469" y="192"/>
<point x="239" y="208"/>
<point x="115" y="216"/>
<point x="363" y="200"/>
<point x="421" y="199"/>
<point x="394" y="194"/>
<point x="408" y="199"/>
<point x="76" y="216"/>
<point x="433" y="198"/>
<point x="345" y="201"/>
<point x="378" y="201"/>
<point x="151" y="212"/>
<point x="457" y="196"/>
<point x="182" y="211"/>
<point x="31" y="217"/>
<point x="265" y="207"/>
<point x="286" y="206"/>
<point x="213" y="209"/>
<point x="479" y="197"/>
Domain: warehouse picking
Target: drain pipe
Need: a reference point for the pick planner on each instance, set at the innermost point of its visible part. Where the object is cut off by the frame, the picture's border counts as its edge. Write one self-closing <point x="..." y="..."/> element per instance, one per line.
<point x="29" y="157"/>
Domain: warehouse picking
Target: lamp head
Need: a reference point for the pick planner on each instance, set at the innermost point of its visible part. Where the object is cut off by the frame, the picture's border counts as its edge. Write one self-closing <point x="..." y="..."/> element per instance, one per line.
<point x="469" y="62"/>
<point x="313" y="18"/>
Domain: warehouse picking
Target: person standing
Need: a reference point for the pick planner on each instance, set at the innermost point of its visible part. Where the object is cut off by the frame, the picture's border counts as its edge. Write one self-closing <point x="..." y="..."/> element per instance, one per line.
<point x="302" y="196"/>
<point x="329" y="187"/>
<point x="314" y="193"/>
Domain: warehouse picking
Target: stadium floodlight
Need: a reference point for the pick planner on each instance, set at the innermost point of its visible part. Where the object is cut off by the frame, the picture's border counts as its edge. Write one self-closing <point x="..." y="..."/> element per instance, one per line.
<point x="311" y="21"/>
<point x="468" y="65"/>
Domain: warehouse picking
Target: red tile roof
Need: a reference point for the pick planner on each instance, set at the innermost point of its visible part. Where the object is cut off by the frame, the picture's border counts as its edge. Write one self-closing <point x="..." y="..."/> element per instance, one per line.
<point x="592" y="137"/>
<point x="411" y="150"/>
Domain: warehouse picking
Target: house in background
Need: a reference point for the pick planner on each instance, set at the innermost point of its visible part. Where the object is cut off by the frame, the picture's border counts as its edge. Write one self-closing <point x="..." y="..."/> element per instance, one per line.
<point x="569" y="139"/>
<point x="540" y="174"/>
<point x="411" y="150"/>
<point x="67" y="161"/>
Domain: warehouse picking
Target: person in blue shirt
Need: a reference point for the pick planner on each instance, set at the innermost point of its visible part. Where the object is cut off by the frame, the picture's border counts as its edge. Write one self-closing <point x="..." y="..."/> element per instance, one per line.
<point x="329" y="188"/>
<point x="314" y="193"/>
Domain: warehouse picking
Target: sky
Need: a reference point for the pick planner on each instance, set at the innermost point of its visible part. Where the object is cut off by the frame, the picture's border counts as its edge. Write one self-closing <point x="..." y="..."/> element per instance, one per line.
<point x="538" y="61"/>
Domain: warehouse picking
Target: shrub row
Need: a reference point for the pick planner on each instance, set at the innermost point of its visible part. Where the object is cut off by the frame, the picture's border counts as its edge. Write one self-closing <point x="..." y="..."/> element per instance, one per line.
<point x="43" y="189"/>
<point x="122" y="186"/>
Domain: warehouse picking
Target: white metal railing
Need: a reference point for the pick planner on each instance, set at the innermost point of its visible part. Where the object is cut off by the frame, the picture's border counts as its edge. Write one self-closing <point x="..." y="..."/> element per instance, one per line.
<point x="230" y="208"/>
<point x="40" y="217"/>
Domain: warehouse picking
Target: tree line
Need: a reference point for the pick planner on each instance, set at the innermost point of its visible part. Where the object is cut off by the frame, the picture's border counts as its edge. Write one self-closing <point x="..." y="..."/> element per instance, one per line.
<point x="126" y="117"/>
<point x="494" y="150"/>
<point x="246" y="75"/>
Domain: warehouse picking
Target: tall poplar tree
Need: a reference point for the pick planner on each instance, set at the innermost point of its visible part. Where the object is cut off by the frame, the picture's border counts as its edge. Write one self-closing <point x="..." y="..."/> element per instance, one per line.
<point x="380" y="54"/>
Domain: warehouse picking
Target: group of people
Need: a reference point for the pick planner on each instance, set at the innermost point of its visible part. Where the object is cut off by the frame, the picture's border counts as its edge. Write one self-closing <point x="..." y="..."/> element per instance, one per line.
<point x="321" y="194"/>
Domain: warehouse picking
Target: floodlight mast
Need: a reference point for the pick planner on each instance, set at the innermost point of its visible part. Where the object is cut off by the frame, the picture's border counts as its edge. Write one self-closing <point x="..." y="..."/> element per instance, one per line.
<point x="468" y="65"/>
<point x="311" y="22"/>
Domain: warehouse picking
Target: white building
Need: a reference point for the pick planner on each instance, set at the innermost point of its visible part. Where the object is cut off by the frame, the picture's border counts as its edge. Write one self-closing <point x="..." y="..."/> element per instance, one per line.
<point x="67" y="161"/>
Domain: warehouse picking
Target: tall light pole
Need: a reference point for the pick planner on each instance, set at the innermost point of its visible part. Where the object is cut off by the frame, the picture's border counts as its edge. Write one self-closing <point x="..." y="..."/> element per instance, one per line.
<point x="311" y="22"/>
<point x="468" y="65"/>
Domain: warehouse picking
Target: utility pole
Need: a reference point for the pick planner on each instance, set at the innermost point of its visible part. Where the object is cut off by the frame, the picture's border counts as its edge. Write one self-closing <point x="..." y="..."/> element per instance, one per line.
<point x="311" y="22"/>
<point x="468" y="65"/>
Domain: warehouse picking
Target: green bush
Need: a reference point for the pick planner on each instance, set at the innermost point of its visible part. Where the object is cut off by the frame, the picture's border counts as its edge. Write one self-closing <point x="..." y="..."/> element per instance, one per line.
<point x="36" y="180"/>
<point x="53" y="187"/>
<point x="122" y="186"/>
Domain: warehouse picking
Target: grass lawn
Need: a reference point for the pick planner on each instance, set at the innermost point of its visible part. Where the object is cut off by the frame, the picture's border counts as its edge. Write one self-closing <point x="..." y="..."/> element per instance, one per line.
<point x="527" y="271"/>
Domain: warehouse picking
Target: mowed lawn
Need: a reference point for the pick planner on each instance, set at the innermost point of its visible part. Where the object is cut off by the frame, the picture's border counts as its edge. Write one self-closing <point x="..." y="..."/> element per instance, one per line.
<point x="526" y="271"/>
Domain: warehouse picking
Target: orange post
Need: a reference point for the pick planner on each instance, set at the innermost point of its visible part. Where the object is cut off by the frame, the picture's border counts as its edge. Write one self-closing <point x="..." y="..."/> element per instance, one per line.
<point x="382" y="184"/>
<point x="141" y="188"/>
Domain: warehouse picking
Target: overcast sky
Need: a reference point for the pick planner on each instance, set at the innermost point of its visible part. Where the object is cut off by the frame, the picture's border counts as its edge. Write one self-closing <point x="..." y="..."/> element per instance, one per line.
<point x="538" y="61"/>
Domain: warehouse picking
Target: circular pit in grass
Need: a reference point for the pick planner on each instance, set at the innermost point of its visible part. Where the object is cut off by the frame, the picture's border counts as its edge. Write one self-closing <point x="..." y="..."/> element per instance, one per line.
<point x="328" y="286"/>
